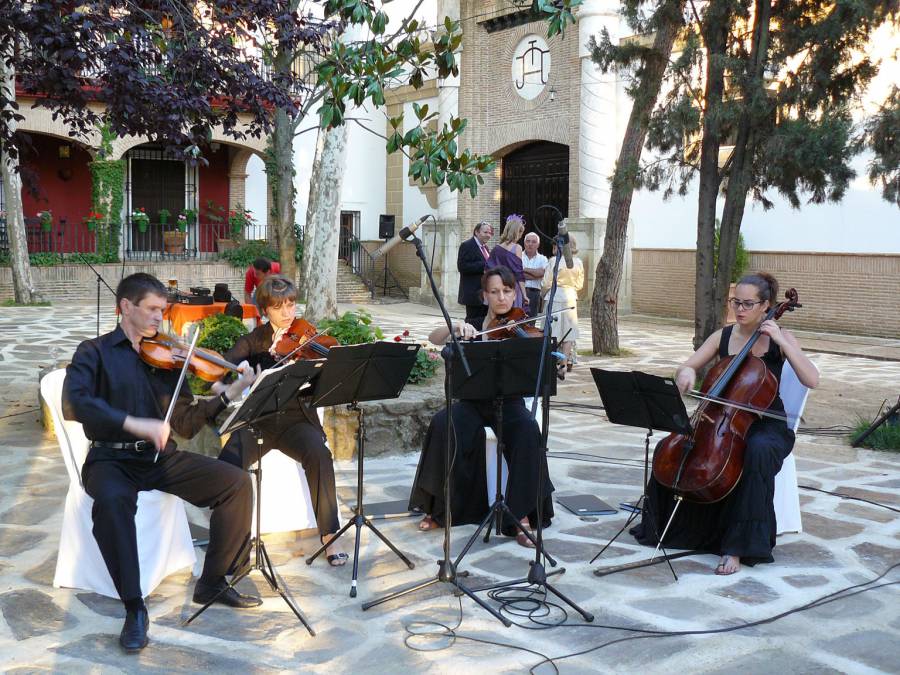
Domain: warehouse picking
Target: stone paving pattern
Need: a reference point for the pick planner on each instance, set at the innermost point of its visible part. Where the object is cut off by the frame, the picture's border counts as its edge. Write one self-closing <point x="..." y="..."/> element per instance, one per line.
<point x="44" y="629"/>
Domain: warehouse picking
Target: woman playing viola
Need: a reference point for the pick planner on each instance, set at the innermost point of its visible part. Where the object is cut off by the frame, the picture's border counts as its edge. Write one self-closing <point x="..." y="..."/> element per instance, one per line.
<point x="521" y="437"/>
<point x="297" y="431"/>
<point x="741" y="527"/>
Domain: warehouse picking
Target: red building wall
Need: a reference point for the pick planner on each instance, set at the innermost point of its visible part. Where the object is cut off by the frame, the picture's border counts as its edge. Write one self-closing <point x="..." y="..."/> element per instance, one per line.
<point x="63" y="186"/>
<point x="213" y="187"/>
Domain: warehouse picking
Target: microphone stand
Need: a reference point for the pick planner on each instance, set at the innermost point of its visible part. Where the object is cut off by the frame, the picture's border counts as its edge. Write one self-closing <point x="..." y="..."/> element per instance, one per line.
<point x="447" y="572"/>
<point x="537" y="573"/>
<point x="99" y="279"/>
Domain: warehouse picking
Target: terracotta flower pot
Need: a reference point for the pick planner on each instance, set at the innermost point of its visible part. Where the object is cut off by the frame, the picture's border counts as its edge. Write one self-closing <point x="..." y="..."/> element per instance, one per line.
<point x="173" y="242"/>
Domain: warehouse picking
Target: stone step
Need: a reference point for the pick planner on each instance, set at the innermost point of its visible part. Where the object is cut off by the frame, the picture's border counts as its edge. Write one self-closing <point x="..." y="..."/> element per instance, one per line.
<point x="350" y="287"/>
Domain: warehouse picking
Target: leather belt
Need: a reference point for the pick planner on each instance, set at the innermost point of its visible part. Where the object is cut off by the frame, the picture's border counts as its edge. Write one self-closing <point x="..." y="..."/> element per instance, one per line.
<point x="136" y="446"/>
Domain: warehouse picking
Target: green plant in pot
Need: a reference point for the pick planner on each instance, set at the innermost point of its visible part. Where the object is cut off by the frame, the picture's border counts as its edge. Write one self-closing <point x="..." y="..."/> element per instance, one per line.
<point x="164" y="216"/>
<point x="140" y="218"/>
<point x="190" y="216"/>
<point x="93" y="220"/>
<point x="181" y="222"/>
<point x="46" y="219"/>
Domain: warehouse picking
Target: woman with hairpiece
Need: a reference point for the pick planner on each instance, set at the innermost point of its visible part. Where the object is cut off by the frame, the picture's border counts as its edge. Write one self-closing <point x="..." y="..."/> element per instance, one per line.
<point x="296" y="431"/>
<point x="508" y="253"/>
<point x="741" y="527"/>
<point x="521" y="436"/>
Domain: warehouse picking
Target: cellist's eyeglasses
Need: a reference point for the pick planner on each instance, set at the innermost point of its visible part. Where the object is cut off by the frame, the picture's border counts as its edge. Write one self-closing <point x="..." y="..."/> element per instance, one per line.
<point x="745" y="304"/>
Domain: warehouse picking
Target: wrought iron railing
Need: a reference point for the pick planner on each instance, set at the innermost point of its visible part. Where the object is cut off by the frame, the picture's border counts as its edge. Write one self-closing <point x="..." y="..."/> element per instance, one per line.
<point x="375" y="274"/>
<point x="64" y="238"/>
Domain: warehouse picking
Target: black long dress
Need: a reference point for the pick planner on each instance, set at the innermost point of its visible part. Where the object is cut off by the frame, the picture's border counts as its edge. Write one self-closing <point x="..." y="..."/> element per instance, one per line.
<point x="743" y="523"/>
<point x="469" y="494"/>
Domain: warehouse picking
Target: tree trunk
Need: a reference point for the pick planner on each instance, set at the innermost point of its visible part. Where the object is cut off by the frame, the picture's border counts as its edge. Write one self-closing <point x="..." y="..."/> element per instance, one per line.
<point x="283" y="182"/>
<point x="309" y="229"/>
<point x="707" y="314"/>
<point x="23" y="284"/>
<point x="739" y="176"/>
<point x="608" y="275"/>
<point x="324" y="202"/>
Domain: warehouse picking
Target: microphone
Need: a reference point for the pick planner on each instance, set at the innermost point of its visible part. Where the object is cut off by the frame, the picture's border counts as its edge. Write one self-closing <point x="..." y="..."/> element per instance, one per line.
<point x="402" y="235"/>
<point x="562" y="234"/>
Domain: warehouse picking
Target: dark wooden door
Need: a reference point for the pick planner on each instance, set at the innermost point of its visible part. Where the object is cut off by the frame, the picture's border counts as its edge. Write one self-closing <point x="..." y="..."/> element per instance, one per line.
<point x="156" y="184"/>
<point x="535" y="175"/>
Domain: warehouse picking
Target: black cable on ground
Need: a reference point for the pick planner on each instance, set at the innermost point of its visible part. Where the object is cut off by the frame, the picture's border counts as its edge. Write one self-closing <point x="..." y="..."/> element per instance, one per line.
<point x="522" y="607"/>
<point x="24" y="412"/>
<point x="843" y="495"/>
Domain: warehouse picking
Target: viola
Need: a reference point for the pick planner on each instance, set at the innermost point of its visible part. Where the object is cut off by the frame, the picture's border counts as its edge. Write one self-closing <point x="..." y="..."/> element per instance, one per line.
<point x="515" y="323"/>
<point x="303" y="341"/>
<point x="706" y="465"/>
<point x="167" y="353"/>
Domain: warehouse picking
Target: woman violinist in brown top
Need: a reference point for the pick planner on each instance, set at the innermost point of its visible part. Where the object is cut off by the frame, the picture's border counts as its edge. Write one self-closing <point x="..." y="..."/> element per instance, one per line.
<point x="297" y="431"/>
<point x="741" y="527"/>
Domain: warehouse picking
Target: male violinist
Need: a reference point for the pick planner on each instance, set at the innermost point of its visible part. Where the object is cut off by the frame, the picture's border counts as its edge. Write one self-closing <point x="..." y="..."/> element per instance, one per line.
<point x="121" y="403"/>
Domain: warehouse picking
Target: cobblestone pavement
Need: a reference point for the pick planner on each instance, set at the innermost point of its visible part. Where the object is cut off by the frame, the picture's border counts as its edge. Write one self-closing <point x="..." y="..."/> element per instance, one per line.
<point x="845" y="543"/>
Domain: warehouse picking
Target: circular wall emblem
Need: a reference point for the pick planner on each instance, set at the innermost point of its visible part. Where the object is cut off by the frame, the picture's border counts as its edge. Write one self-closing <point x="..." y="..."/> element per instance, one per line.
<point x="530" y="67"/>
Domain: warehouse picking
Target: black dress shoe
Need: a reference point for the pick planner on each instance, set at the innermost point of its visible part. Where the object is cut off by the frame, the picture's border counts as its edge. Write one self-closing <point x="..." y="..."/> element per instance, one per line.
<point x="133" y="637"/>
<point x="203" y="593"/>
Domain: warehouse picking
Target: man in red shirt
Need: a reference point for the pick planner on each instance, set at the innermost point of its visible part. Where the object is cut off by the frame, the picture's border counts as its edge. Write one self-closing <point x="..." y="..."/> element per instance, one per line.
<point x="255" y="275"/>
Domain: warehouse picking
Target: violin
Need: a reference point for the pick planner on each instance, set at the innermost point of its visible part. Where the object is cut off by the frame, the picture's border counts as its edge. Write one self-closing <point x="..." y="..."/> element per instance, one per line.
<point x="303" y="341"/>
<point x="705" y="466"/>
<point x="168" y="353"/>
<point x="515" y="323"/>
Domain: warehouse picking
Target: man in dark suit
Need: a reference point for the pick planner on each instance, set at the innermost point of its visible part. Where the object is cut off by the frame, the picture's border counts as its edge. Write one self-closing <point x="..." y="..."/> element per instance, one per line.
<point x="473" y="253"/>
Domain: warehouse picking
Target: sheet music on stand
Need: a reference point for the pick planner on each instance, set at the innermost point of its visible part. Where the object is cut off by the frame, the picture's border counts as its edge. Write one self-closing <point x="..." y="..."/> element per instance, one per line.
<point x="271" y="391"/>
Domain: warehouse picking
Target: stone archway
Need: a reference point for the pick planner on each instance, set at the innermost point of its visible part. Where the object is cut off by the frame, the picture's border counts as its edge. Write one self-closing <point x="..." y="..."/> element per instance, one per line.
<point x="534" y="175"/>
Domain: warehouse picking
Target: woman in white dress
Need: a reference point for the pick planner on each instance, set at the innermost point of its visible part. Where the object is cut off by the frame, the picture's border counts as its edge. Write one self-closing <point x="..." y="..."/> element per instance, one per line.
<point x="569" y="282"/>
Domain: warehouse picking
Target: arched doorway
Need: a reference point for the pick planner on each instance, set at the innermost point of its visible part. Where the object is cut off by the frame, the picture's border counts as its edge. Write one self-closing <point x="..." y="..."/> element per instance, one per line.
<point x="534" y="175"/>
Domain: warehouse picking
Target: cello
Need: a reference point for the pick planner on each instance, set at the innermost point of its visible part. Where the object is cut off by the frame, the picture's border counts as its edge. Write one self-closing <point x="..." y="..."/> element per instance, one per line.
<point x="706" y="465"/>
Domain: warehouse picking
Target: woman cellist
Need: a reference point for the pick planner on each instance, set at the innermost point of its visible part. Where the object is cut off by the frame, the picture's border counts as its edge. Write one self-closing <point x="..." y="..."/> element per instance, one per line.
<point x="741" y="527"/>
<point x="297" y="431"/>
<point x="521" y="436"/>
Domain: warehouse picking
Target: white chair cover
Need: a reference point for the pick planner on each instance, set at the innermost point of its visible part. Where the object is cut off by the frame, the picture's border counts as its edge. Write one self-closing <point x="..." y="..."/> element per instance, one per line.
<point x="164" y="540"/>
<point x="286" y="504"/>
<point x="490" y="456"/>
<point x="787" y="496"/>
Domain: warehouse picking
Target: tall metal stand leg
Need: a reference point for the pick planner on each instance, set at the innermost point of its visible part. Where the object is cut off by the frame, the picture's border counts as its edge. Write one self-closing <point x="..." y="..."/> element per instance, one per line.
<point x="446" y="568"/>
<point x="261" y="562"/>
<point x="359" y="518"/>
<point x="642" y="503"/>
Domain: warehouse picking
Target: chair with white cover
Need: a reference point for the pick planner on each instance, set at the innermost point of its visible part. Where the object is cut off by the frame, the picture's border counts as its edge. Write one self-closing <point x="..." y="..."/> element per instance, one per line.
<point x="163" y="537"/>
<point x="490" y="456"/>
<point x="286" y="504"/>
<point x="787" y="496"/>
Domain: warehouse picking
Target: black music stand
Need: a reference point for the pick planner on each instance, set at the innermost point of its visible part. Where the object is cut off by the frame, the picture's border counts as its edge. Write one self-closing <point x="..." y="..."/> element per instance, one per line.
<point x="500" y="368"/>
<point x="266" y="397"/>
<point x="636" y="399"/>
<point x="366" y="372"/>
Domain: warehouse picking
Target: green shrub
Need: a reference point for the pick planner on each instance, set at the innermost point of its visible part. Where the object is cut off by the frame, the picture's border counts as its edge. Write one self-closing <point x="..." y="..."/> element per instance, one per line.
<point x="885" y="437"/>
<point x="45" y="259"/>
<point x="219" y="333"/>
<point x="425" y="367"/>
<point x="741" y="257"/>
<point x="352" y="328"/>
<point x="244" y="255"/>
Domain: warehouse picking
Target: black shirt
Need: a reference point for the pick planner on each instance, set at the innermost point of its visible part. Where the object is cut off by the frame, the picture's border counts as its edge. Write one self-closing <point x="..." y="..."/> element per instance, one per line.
<point x="107" y="381"/>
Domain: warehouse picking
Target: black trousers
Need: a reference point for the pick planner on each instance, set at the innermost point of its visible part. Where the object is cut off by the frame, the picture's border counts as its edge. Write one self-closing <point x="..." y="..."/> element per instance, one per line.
<point x="534" y="301"/>
<point x="113" y="479"/>
<point x="304" y="443"/>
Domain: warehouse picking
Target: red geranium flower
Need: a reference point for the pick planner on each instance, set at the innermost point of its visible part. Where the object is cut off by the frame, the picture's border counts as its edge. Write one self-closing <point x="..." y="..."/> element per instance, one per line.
<point x="397" y="338"/>
<point x="406" y="333"/>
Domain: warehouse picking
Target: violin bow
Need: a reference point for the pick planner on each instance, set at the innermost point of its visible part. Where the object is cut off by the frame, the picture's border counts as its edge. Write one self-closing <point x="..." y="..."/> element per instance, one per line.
<point x="740" y="406"/>
<point x="181" y="376"/>
<point x="507" y="326"/>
